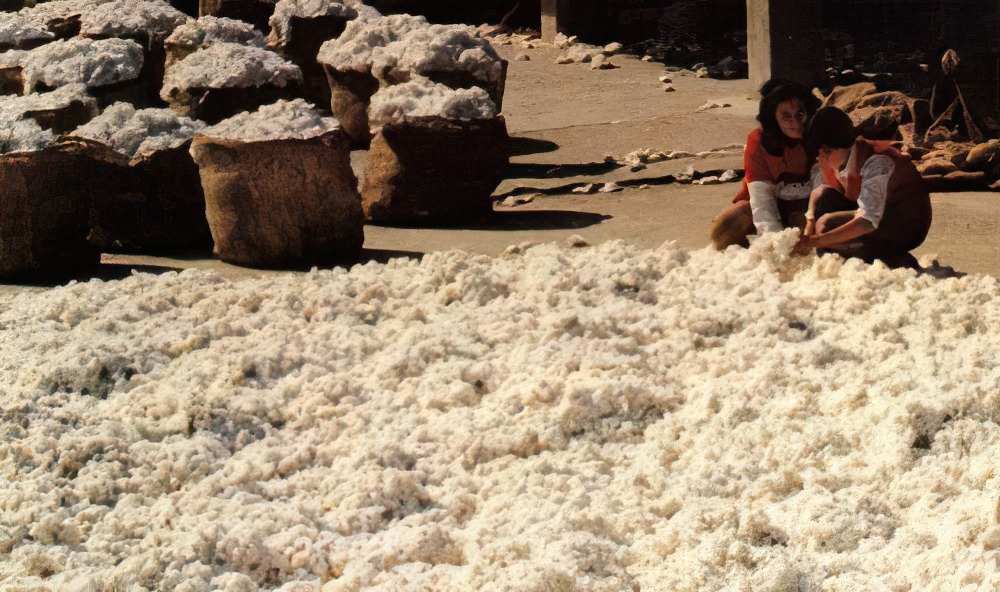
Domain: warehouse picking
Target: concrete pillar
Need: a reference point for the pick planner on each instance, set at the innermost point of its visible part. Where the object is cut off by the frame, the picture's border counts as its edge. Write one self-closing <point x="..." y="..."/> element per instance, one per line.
<point x="784" y="40"/>
<point x="550" y="10"/>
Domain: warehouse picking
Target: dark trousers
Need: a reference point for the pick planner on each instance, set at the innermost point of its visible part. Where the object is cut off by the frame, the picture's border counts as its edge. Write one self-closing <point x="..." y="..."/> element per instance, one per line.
<point x="903" y="228"/>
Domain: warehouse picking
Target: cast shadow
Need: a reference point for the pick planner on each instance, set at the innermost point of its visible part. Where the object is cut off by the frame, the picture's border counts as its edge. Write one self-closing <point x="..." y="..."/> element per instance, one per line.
<point x="526" y="146"/>
<point x="515" y="221"/>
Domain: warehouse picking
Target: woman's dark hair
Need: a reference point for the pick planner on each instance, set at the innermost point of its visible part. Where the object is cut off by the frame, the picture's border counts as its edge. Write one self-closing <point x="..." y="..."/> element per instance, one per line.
<point x="830" y="127"/>
<point x="775" y="92"/>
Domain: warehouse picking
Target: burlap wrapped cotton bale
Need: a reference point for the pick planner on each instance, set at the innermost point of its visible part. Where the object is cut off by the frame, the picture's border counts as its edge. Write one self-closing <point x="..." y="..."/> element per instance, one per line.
<point x="108" y="67"/>
<point x="437" y="155"/>
<point x="223" y="79"/>
<point x="298" y="29"/>
<point x="147" y="22"/>
<point x="59" y="111"/>
<point x="45" y="193"/>
<point x="158" y="204"/>
<point x="194" y="35"/>
<point x="452" y="55"/>
<point x="279" y="189"/>
<point x="347" y="62"/>
<point x="256" y="12"/>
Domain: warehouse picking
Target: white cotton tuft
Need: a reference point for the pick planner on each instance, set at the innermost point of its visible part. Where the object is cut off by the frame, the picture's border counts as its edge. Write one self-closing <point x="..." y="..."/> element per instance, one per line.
<point x="422" y="98"/>
<point x="353" y="49"/>
<point x="94" y="63"/>
<point x="284" y="120"/>
<point x="137" y="133"/>
<point x="228" y="65"/>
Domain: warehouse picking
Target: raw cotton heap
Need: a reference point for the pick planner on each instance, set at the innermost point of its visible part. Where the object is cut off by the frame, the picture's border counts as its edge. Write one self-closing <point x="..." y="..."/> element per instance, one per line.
<point x="145" y="131"/>
<point x="153" y="19"/>
<point x="558" y="418"/>
<point x="438" y="49"/>
<point x="354" y="49"/>
<point x="209" y="29"/>
<point x="19" y="32"/>
<point x="94" y="63"/>
<point x="284" y="120"/>
<point x="422" y="98"/>
<point x="15" y="107"/>
<point x="228" y="65"/>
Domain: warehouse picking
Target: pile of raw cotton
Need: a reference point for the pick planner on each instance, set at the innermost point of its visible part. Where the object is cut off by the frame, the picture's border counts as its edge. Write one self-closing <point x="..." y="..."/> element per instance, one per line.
<point x="561" y="417"/>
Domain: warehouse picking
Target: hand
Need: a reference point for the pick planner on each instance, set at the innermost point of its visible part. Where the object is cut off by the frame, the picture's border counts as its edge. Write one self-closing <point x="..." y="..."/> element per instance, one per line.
<point x="804" y="245"/>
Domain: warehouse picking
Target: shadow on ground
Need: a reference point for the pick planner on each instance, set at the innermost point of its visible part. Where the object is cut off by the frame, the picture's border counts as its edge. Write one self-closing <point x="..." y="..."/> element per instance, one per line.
<point x="526" y="146"/>
<point x="515" y="221"/>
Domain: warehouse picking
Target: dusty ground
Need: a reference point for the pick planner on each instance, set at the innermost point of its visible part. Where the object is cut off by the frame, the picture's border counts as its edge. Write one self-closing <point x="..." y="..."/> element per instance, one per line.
<point x="569" y="114"/>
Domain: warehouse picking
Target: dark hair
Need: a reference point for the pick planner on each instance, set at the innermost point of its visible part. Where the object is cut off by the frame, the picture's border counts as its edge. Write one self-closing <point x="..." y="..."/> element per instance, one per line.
<point x="830" y="127"/>
<point x="773" y="93"/>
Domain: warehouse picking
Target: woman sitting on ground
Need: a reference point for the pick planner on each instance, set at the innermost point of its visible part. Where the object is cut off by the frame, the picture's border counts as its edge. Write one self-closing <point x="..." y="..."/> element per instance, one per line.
<point x="877" y="208"/>
<point x="776" y="186"/>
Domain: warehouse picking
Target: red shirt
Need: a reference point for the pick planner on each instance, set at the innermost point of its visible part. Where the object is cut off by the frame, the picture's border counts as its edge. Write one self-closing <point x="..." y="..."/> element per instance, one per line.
<point x="758" y="165"/>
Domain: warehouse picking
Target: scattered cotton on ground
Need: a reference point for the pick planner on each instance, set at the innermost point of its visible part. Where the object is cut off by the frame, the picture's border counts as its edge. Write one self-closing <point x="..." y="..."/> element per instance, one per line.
<point x="285" y="10"/>
<point x="284" y="120"/>
<point x="353" y="49"/>
<point x="439" y="48"/>
<point x="94" y="63"/>
<point x="140" y="132"/>
<point x="209" y="29"/>
<point x="229" y="65"/>
<point x="422" y="98"/>
<point x="126" y="18"/>
<point x="602" y="418"/>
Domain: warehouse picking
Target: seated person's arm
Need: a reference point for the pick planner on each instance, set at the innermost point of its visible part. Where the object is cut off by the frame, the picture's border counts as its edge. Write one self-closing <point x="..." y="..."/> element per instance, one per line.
<point x="764" y="206"/>
<point x="871" y="199"/>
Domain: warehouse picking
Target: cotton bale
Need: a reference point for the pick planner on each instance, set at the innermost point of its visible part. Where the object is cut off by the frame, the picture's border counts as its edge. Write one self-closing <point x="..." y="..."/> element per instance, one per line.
<point x="224" y="79"/>
<point x="437" y="155"/>
<point x="147" y="22"/>
<point x="46" y="190"/>
<point x="347" y="62"/>
<point x="110" y="68"/>
<point x="194" y="35"/>
<point x="58" y="111"/>
<point x="452" y="55"/>
<point x="298" y="30"/>
<point x="157" y="204"/>
<point x="279" y="188"/>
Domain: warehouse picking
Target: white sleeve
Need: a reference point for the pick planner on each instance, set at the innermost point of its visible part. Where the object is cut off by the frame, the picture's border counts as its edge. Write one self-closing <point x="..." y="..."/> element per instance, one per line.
<point x="764" y="207"/>
<point x="817" y="176"/>
<point x="874" y="188"/>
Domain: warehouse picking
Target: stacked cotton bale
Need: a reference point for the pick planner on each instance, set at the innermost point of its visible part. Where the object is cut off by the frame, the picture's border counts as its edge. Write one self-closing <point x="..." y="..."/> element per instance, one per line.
<point x="348" y="61"/>
<point x="45" y="192"/>
<point x="194" y="35"/>
<point x="147" y="22"/>
<point x="156" y="202"/>
<point x="298" y="29"/>
<point x="109" y="68"/>
<point x="452" y="55"/>
<point x="218" y="81"/>
<point x="279" y="188"/>
<point x="59" y="111"/>
<point x="437" y="155"/>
